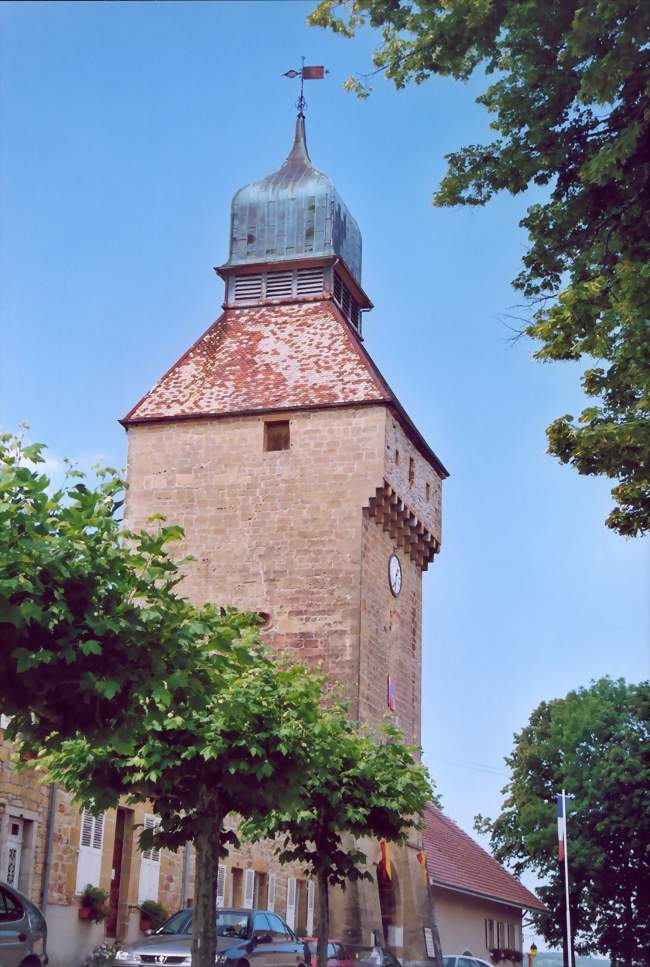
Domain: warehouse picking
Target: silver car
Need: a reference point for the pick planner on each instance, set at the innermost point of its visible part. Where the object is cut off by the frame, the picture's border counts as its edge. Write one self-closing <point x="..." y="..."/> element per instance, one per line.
<point x="245" y="938"/>
<point x="23" y="931"/>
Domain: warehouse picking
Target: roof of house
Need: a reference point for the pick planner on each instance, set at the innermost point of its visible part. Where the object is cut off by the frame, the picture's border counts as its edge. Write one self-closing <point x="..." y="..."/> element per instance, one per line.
<point x="455" y="861"/>
<point x="272" y="357"/>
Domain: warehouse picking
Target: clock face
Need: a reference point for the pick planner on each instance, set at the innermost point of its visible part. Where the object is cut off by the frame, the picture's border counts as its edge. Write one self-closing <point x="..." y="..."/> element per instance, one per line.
<point x="394" y="574"/>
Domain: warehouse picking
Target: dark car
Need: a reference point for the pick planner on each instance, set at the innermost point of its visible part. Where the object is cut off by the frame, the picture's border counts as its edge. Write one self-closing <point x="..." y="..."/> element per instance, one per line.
<point x="245" y="938"/>
<point x="23" y="932"/>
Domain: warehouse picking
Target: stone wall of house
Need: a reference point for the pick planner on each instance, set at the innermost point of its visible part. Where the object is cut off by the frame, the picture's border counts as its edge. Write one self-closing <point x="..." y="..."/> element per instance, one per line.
<point x="24" y="798"/>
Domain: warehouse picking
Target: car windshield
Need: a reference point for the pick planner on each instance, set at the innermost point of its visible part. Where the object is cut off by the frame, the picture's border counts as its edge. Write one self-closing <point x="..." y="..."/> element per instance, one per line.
<point x="230" y="924"/>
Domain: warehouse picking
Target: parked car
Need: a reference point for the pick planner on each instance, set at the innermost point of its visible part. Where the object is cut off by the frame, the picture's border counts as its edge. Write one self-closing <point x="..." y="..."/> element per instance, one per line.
<point x="23" y="931"/>
<point x="464" y="960"/>
<point x="337" y="954"/>
<point x="246" y="938"/>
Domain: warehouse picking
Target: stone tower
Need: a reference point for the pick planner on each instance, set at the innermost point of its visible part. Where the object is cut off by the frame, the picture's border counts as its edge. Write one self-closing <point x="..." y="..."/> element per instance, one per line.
<point x="305" y="490"/>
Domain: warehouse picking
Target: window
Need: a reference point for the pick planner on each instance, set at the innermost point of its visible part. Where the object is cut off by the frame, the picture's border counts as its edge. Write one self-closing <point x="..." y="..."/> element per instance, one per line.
<point x="278" y="929"/>
<point x="346" y="302"/>
<point x="91" y="842"/>
<point x="221" y="885"/>
<point x="276" y="435"/>
<point x="427" y="491"/>
<point x="397" y="457"/>
<point x="411" y="470"/>
<point x="249" y="889"/>
<point x="501" y="938"/>
<point x="291" y="901"/>
<point x="260" y="923"/>
<point x="489" y="934"/>
<point x="10" y="909"/>
<point x="270" y="901"/>
<point x="149" y="866"/>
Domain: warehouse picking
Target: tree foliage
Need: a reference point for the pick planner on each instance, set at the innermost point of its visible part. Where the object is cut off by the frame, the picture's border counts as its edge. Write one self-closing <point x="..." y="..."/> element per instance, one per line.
<point x="358" y="785"/>
<point x="243" y="752"/>
<point x="595" y="743"/>
<point x="121" y="687"/>
<point x="569" y="99"/>
<point x="87" y="609"/>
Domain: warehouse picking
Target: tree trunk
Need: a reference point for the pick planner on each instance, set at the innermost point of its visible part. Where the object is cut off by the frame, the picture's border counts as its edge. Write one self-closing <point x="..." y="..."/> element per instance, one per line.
<point x="323" y="917"/>
<point x="204" y="925"/>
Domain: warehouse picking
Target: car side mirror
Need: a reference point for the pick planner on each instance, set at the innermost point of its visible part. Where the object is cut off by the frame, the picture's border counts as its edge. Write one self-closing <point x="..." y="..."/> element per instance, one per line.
<point x="262" y="936"/>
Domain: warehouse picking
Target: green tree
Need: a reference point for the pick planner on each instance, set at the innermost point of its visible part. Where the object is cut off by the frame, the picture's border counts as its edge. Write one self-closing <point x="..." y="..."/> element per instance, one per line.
<point x="569" y="105"/>
<point x="243" y="753"/>
<point x="358" y="785"/>
<point x="595" y="743"/>
<point x="119" y="686"/>
<point x="86" y="609"/>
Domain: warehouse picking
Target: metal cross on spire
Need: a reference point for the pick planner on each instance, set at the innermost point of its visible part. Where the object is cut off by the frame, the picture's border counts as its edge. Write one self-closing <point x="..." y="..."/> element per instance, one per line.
<point x="306" y="73"/>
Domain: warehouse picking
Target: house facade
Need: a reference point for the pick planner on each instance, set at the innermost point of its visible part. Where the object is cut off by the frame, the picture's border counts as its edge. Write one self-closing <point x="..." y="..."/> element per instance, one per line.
<point x="479" y="906"/>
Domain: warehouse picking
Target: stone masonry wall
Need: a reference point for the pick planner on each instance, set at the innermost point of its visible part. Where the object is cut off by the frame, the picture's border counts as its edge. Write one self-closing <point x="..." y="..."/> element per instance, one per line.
<point x="278" y="532"/>
<point x="390" y="634"/>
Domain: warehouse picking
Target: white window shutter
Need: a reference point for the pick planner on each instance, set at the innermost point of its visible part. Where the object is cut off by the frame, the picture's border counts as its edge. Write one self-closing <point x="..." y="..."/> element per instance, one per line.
<point x="91" y="842"/>
<point x="270" y="903"/>
<point x="221" y="886"/>
<point x="149" y="867"/>
<point x="249" y="888"/>
<point x="311" y="889"/>
<point x="291" y="902"/>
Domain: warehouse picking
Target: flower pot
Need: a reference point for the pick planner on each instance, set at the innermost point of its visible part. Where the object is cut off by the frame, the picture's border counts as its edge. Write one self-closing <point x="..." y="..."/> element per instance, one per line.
<point x="85" y="913"/>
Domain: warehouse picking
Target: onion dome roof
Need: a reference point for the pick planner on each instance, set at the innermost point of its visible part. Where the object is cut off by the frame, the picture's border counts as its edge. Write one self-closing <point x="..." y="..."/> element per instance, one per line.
<point x="294" y="213"/>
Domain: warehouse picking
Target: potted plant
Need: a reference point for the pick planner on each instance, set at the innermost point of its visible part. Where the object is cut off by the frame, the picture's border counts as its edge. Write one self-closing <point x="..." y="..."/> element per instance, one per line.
<point x="93" y="904"/>
<point x="152" y="915"/>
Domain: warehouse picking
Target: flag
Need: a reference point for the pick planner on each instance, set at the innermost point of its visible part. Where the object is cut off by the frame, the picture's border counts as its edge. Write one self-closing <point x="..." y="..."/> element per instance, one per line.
<point x="314" y="73"/>
<point x="385" y="866"/>
<point x="561" y="828"/>
<point x="422" y="860"/>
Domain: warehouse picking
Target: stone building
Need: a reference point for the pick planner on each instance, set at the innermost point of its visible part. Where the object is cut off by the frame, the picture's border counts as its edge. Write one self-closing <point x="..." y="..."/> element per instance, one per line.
<point x="305" y="490"/>
<point x="306" y="494"/>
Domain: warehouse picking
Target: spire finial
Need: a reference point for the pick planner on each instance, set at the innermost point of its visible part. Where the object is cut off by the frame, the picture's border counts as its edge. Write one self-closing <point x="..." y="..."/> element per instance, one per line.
<point x="299" y="152"/>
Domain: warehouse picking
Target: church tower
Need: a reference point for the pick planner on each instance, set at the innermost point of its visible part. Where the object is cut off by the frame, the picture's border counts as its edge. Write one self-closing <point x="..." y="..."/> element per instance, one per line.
<point x="305" y="490"/>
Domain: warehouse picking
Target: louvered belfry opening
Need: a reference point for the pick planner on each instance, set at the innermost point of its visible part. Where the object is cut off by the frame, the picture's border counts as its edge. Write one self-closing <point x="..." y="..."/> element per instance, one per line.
<point x="306" y="283"/>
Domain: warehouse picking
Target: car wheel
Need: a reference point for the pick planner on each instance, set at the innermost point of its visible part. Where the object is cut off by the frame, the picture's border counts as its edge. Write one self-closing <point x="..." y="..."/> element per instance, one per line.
<point x="30" y="962"/>
<point x="243" y="963"/>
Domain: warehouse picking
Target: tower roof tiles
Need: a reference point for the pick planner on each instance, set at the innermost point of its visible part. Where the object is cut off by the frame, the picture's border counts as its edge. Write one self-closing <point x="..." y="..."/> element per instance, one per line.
<point x="272" y="357"/>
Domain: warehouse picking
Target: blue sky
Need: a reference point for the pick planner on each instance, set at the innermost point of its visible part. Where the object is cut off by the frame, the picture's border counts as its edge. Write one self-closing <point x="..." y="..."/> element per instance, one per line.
<point x="127" y="129"/>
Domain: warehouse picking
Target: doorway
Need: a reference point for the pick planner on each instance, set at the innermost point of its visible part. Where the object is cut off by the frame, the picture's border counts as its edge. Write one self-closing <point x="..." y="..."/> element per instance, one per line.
<point x="391" y="907"/>
<point x="116" y="873"/>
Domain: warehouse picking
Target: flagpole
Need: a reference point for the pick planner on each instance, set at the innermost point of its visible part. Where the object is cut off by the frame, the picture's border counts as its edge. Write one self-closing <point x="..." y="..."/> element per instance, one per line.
<point x="569" y="947"/>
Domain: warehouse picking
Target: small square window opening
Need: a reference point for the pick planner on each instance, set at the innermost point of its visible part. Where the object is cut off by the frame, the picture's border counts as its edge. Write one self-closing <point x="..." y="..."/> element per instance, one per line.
<point x="276" y="435"/>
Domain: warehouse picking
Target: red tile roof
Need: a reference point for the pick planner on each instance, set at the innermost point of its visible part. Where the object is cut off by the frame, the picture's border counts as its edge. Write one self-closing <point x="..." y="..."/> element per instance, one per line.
<point x="266" y="357"/>
<point x="454" y="860"/>
<point x="273" y="357"/>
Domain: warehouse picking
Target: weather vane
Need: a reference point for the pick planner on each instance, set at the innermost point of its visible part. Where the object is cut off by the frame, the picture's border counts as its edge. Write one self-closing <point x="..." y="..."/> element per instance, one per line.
<point x="306" y="73"/>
